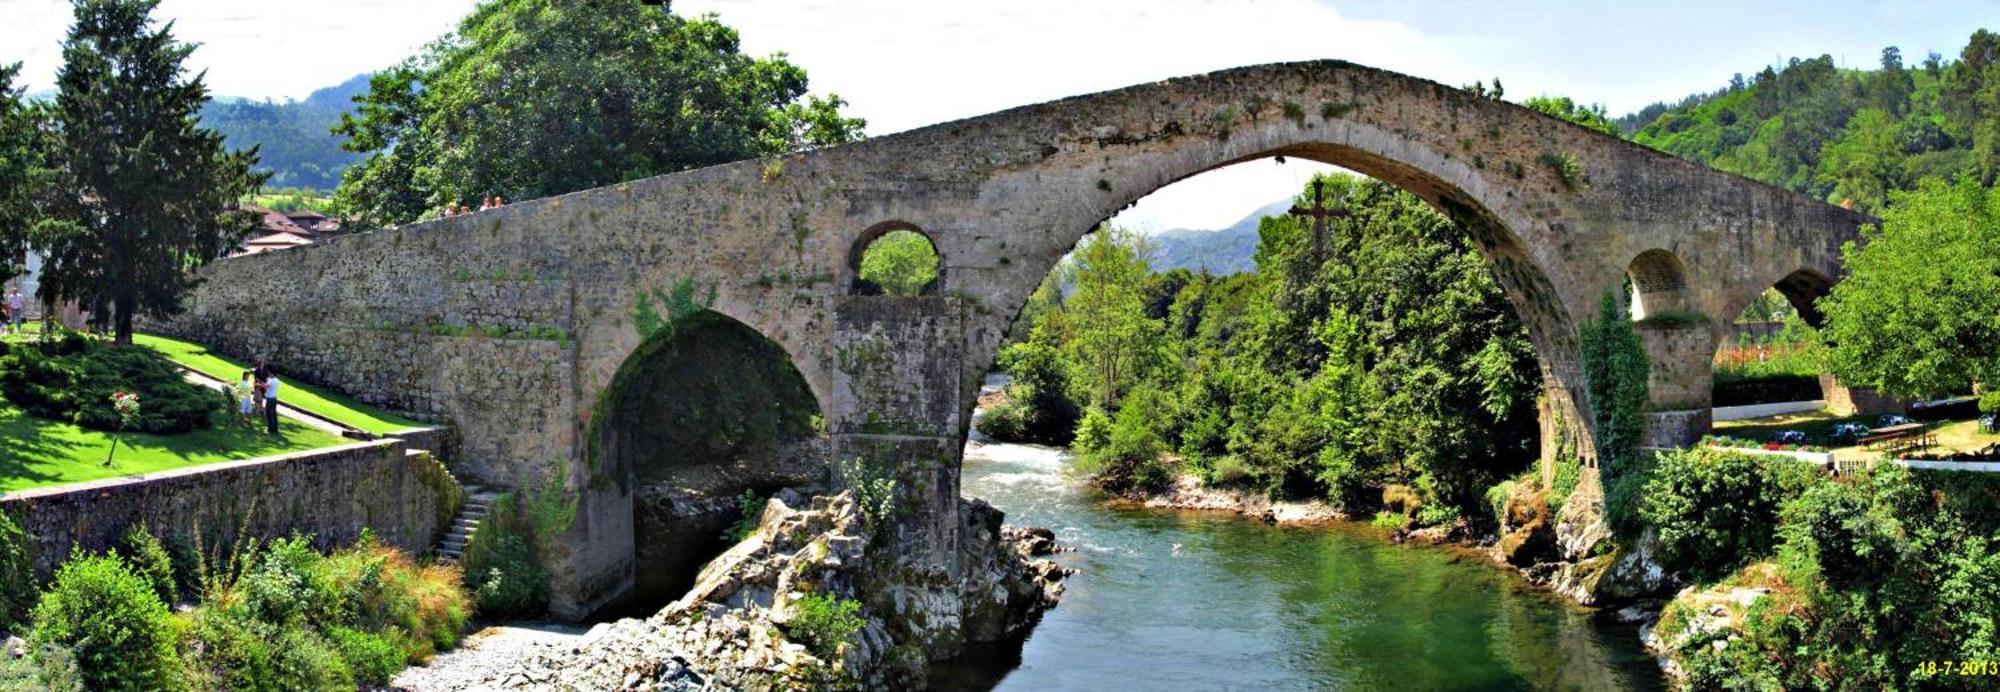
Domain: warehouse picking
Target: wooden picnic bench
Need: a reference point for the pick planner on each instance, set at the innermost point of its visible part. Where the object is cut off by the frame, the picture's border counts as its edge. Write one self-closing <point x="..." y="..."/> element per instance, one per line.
<point x="1896" y="438"/>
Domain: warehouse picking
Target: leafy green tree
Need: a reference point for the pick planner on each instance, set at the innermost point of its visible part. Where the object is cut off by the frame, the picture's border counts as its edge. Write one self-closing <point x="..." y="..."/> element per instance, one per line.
<point x="1974" y="87"/>
<point x="532" y="98"/>
<point x="900" y="263"/>
<point x="1113" y="342"/>
<point x="1917" y="313"/>
<point x="142" y="194"/>
<point x="22" y="173"/>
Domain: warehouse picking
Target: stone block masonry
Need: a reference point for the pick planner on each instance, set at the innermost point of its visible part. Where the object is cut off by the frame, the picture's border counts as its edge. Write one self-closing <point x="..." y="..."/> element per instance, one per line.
<point x="407" y="499"/>
<point x="512" y="325"/>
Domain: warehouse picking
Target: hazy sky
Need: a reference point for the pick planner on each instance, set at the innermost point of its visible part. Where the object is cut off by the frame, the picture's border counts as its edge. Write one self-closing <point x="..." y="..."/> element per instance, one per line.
<point x="907" y="63"/>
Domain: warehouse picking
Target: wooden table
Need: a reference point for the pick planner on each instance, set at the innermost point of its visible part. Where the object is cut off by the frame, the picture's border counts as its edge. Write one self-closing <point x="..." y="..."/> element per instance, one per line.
<point x="1899" y="437"/>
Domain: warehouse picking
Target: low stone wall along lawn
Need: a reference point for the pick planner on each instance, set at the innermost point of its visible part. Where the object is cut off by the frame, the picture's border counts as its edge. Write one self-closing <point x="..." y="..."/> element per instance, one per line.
<point x="407" y="500"/>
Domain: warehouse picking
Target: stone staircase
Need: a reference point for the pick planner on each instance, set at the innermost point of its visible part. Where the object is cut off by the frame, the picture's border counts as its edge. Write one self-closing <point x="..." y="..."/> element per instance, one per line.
<point x="477" y="501"/>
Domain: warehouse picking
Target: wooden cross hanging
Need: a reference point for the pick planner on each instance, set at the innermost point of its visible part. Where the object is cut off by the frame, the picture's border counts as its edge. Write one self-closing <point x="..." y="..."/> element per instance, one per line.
<point x="1319" y="214"/>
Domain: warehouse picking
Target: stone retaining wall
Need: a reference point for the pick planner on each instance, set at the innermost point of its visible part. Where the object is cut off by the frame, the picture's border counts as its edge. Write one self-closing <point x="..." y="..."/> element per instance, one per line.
<point x="406" y="499"/>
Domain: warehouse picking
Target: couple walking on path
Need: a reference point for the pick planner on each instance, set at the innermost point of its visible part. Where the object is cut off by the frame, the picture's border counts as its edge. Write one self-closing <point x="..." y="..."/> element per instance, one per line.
<point x="257" y="393"/>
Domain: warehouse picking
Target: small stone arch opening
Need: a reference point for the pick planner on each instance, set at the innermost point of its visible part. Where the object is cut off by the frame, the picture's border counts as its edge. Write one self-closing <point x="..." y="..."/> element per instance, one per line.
<point x="1764" y="355"/>
<point x="703" y="412"/>
<point x="1803" y="289"/>
<point x="898" y="259"/>
<point x="1659" y="284"/>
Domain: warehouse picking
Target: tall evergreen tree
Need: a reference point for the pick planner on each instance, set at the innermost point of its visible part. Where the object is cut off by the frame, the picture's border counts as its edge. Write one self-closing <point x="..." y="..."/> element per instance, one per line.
<point x="21" y="171"/>
<point x="143" y="195"/>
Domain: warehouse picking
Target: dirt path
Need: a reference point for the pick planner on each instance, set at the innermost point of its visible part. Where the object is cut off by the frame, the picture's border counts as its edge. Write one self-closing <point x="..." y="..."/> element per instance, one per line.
<point x="479" y="658"/>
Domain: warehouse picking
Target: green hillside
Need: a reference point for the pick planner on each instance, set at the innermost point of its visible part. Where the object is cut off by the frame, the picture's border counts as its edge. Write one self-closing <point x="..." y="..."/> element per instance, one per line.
<point x="297" y="144"/>
<point x="1844" y="134"/>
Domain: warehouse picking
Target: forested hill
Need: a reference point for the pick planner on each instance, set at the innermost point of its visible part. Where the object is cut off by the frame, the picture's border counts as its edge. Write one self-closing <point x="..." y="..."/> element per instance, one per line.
<point x="1222" y="251"/>
<point x="298" y="146"/>
<point x="1844" y="134"/>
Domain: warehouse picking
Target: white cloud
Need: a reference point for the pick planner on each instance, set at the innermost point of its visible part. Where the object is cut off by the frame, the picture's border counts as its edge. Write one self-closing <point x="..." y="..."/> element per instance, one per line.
<point x="908" y="63"/>
<point x="266" y="49"/>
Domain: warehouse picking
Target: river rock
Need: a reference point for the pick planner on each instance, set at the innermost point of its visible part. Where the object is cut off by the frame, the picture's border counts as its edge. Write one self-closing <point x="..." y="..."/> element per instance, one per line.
<point x="1527" y="537"/>
<point x="1626" y="574"/>
<point x="1188" y="492"/>
<point x="1580" y="526"/>
<point x="730" y="630"/>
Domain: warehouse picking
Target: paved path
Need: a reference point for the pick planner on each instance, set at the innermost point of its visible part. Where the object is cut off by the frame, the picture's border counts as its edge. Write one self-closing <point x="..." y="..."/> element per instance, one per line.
<point x="284" y="409"/>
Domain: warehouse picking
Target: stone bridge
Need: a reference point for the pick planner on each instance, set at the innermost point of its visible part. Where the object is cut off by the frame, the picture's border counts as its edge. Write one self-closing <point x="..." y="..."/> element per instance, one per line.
<point x="516" y="325"/>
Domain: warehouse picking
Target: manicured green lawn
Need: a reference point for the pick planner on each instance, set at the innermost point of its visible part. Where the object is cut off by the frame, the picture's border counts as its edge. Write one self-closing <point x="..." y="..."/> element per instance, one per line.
<point x="318" y="401"/>
<point x="36" y="452"/>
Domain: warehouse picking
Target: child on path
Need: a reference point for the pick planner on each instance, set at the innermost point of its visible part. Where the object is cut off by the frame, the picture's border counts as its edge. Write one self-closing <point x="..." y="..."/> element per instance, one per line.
<point x="245" y="391"/>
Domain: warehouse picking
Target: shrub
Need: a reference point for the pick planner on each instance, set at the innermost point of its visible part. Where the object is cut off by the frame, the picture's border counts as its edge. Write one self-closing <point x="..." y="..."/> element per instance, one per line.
<point x="874" y="490"/>
<point x="1436" y="514"/>
<point x="508" y="580"/>
<point x="149" y="558"/>
<point x="1392" y="521"/>
<point x="301" y="659"/>
<point x="374" y="658"/>
<point x="1228" y="470"/>
<point x="428" y="603"/>
<point x="109" y="616"/>
<point x="74" y="383"/>
<point x="46" y="668"/>
<point x="823" y="622"/>
<point x="1497" y="496"/>
<point x="1714" y="510"/>
<point x="1004" y="422"/>
<point x="1128" y="456"/>
<point x="17" y="573"/>
<point x="1093" y="432"/>
<point x="289" y="585"/>
<point x="751" y="509"/>
<point x="503" y="563"/>
<point x="226" y="649"/>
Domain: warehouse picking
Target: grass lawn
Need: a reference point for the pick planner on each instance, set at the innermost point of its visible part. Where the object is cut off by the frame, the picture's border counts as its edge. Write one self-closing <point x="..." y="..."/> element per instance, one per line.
<point x="36" y="452"/>
<point x="326" y="404"/>
<point x="1952" y="436"/>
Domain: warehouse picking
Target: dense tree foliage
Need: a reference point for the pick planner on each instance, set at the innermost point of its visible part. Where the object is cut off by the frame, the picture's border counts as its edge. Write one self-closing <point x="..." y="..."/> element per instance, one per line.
<point x="900" y="263"/>
<point x="22" y="173"/>
<point x="1880" y="580"/>
<point x="1844" y="134"/>
<point x="142" y="193"/>
<point x="531" y="98"/>
<point x="1920" y="312"/>
<point x="1391" y="358"/>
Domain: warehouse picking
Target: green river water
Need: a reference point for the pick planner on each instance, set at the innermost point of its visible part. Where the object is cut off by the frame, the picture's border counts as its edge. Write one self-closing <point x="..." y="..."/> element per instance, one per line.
<point x="1212" y="601"/>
